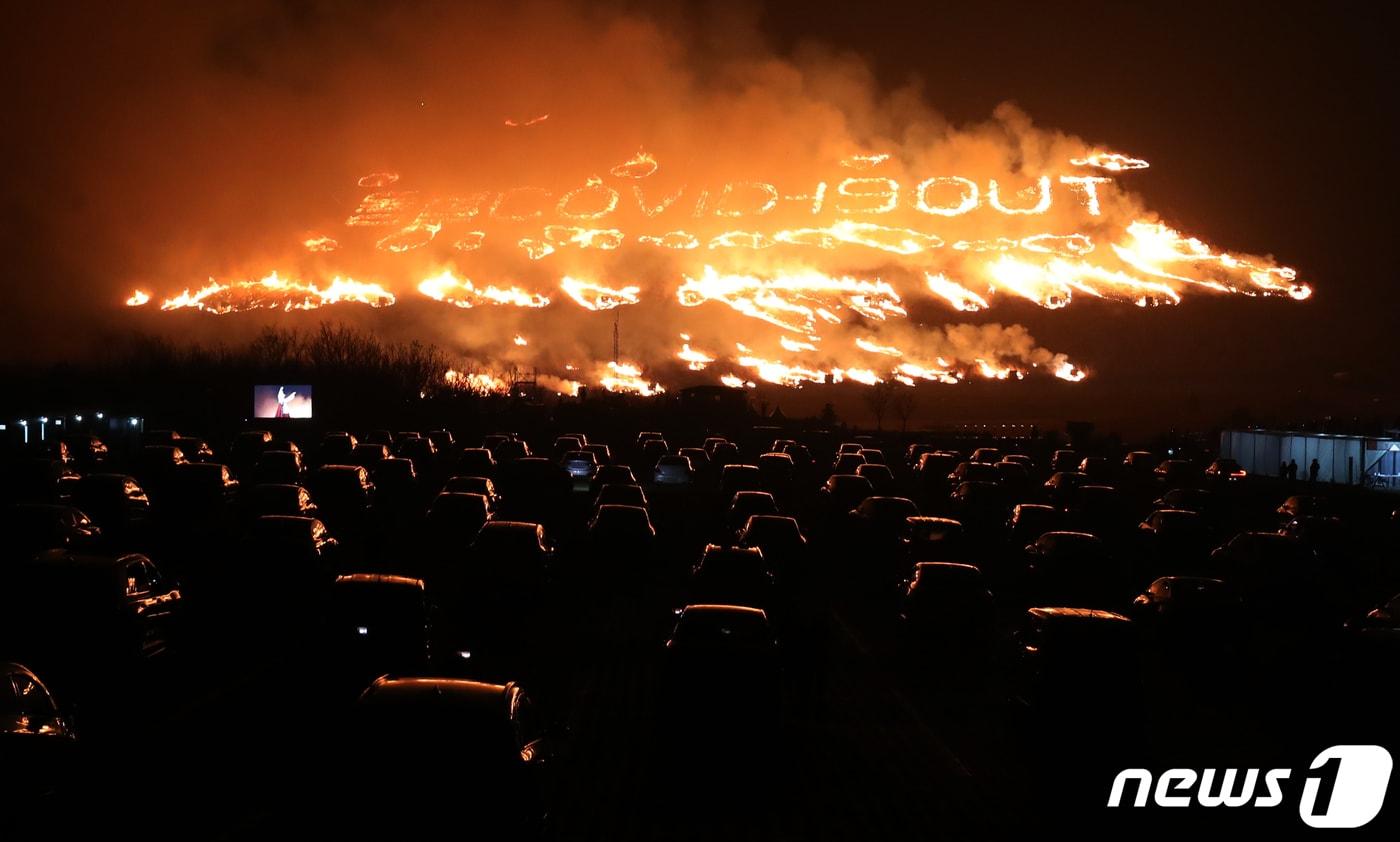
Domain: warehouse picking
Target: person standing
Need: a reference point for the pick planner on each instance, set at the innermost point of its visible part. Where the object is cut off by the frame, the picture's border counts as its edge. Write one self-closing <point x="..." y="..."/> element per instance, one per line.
<point x="1313" y="471"/>
<point x="1292" y="470"/>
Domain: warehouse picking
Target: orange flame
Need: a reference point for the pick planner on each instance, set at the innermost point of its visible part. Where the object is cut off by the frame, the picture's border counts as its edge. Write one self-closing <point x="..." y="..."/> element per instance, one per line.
<point x="598" y="297"/>
<point x="274" y="292"/>
<point x="447" y="288"/>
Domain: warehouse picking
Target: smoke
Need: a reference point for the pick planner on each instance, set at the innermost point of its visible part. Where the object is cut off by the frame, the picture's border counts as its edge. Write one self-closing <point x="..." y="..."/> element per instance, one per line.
<point x="181" y="144"/>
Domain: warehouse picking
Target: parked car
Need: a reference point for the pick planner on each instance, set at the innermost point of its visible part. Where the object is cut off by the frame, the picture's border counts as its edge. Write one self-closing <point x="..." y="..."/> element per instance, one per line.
<point x="731" y="576"/>
<point x="620" y="495"/>
<point x="746" y="504"/>
<point x="474" y="485"/>
<point x="611" y="475"/>
<point x="31" y="528"/>
<point x="1225" y="469"/>
<point x="782" y="543"/>
<point x="377" y="624"/>
<point x="947" y="610"/>
<point x="1077" y="569"/>
<point x="935" y="539"/>
<point x="37" y="737"/>
<point x="283" y="467"/>
<point x="301" y="549"/>
<point x="734" y="478"/>
<point x="115" y="502"/>
<point x="672" y="470"/>
<point x="1029" y="521"/>
<point x="456" y="750"/>
<point x="843" y="492"/>
<point x="1062" y="485"/>
<point x="714" y="651"/>
<point x="455" y="517"/>
<point x="581" y="464"/>
<point x="623" y="531"/>
<point x="344" y="493"/>
<point x="1077" y="665"/>
<point x="88" y="618"/>
<point x="280" y="499"/>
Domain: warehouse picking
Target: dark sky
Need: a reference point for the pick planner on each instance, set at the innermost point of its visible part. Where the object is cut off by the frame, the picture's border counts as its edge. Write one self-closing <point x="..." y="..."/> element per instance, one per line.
<point x="1271" y="128"/>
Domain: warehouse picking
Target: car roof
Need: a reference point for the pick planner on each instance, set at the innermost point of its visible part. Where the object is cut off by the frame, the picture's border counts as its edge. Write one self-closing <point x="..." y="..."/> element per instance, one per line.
<point x="378" y="579"/>
<point x="1061" y="614"/>
<point x="459" y="695"/>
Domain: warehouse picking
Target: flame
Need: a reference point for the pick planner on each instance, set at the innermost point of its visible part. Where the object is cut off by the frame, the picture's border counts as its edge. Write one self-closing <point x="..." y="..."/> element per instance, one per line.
<point x="138" y="298"/>
<point x="864" y="162"/>
<point x="520" y="124"/>
<point x="695" y="360"/>
<point x="598" y="297"/>
<point x="868" y="345"/>
<point x="994" y="372"/>
<point x="792" y="301"/>
<point x="1151" y="246"/>
<point x="960" y="297"/>
<point x="1001" y="242"/>
<point x="478" y="382"/>
<point x="375" y="180"/>
<point x="627" y="377"/>
<point x="274" y="292"/>
<point x="1068" y="371"/>
<point x="447" y="288"/>
<point x="640" y="165"/>
<point x="794" y="345"/>
<point x="1111" y="161"/>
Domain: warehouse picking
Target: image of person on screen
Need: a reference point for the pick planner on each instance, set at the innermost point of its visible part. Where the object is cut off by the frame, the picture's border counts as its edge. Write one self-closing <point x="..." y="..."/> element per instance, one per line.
<point x="283" y="399"/>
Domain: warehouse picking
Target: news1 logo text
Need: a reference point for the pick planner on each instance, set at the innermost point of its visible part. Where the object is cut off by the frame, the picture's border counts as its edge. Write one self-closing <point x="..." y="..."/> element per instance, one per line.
<point x="1344" y="787"/>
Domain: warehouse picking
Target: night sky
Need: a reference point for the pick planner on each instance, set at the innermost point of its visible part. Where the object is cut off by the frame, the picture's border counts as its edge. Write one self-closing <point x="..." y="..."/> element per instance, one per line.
<point x="1269" y="131"/>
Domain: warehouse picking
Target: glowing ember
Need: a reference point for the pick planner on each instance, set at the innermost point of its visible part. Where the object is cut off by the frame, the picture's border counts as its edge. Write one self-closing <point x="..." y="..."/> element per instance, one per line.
<point x="520" y="340"/>
<point x="320" y="244"/>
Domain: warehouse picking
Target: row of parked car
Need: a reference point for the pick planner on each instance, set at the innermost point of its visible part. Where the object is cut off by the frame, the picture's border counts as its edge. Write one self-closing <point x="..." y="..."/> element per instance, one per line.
<point x="430" y="570"/>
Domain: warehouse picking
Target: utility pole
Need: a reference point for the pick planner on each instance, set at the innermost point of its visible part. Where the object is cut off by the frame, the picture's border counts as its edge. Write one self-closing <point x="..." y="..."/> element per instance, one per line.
<point x="617" y="317"/>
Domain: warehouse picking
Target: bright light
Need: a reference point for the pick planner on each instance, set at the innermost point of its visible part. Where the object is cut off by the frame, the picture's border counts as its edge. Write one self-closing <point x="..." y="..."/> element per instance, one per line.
<point x="43" y="419"/>
<point x="79" y="418"/>
<point x="363" y="630"/>
<point x="100" y="416"/>
<point x="134" y="422"/>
